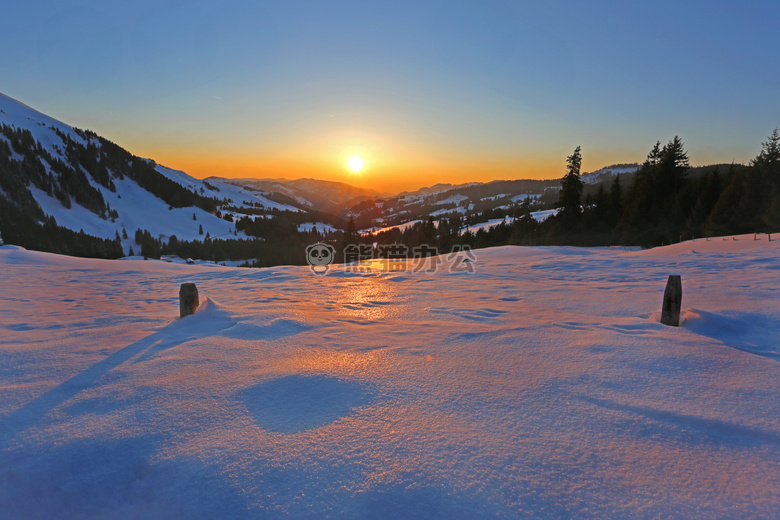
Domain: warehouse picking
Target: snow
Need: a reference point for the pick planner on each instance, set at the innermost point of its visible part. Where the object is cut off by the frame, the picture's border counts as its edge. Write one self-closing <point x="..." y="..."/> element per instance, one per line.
<point x="137" y="209"/>
<point x="440" y="212"/>
<point x="322" y="227"/>
<point x="523" y="196"/>
<point x="452" y="199"/>
<point x="540" y="386"/>
<point x="539" y="216"/>
<point x="401" y="227"/>
<point x="486" y="225"/>
<point x="542" y="215"/>
<point x="19" y="115"/>
<point x="241" y="196"/>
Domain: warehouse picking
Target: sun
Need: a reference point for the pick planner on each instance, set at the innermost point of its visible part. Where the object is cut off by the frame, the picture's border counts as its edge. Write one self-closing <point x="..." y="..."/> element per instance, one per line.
<point x="355" y="164"/>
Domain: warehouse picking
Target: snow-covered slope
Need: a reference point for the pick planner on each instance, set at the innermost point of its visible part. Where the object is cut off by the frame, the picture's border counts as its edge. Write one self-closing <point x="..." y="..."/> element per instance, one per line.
<point x="542" y="386"/>
<point x="19" y="115"/>
<point x="220" y="188"/>
<point x="539" y="216"/>
<point x="315" y="194"/>
<point x="137" y="208"/>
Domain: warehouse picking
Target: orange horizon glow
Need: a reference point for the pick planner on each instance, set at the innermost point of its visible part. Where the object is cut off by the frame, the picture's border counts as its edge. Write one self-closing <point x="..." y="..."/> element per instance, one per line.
<point x="381" y="178"/>
<point x="382" y="174"/>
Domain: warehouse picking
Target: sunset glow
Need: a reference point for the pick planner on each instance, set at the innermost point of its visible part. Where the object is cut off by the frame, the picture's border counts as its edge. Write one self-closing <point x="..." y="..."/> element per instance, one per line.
<point x="475" y="92"/>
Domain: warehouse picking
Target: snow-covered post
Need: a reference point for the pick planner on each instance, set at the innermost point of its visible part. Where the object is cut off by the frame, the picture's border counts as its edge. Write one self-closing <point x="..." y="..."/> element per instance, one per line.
<point x="188" y="299"/>
<point x="670" y="311"/>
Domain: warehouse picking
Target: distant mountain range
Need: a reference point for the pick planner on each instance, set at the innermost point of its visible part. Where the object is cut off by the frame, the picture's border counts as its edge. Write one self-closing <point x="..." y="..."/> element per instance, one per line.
<point x="305" y="194"/>
<point x="59" y="175"/>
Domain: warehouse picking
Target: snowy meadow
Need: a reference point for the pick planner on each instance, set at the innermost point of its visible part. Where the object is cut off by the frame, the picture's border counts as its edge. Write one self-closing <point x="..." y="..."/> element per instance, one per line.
<point x="541" y="385"/>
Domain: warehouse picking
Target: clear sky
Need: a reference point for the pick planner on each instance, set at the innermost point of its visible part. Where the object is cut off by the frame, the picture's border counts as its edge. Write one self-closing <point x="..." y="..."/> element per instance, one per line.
<point x="424" y="91"/>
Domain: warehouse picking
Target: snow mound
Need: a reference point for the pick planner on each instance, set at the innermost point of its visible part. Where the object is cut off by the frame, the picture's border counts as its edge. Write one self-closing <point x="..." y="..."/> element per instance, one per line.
<point x="751" y="332"/>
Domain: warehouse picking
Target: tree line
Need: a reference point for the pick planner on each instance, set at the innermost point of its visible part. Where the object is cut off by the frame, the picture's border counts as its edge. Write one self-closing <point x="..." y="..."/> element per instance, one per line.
<point x="663" y="205"/>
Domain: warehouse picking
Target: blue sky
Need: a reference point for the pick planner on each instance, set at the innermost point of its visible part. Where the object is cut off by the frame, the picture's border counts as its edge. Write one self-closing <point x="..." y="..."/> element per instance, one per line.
<point x="425" y="91"/>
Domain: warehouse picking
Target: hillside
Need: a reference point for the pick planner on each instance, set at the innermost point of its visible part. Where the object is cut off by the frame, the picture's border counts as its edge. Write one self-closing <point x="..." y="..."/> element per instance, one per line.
<point x="314" y="194"/>
<point x="52" y="172"/>
<point x="476" y="202"/>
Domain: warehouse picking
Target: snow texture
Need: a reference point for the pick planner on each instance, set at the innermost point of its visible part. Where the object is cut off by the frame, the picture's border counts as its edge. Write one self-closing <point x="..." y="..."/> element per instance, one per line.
<point x="540" y="386"/>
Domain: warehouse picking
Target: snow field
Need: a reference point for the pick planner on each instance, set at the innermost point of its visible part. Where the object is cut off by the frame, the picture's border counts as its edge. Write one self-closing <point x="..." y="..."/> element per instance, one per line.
<point x="541" y="386"/>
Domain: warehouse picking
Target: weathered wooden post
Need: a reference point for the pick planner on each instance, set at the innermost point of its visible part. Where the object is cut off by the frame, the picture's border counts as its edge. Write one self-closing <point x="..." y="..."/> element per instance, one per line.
<point x="188" y="299"/>
<point x="670" y="311"/>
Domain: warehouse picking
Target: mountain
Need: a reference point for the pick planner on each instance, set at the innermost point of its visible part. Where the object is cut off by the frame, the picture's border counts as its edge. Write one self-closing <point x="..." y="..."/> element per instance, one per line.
<point x="57" y="181"/>
<point x="307" y="194"/>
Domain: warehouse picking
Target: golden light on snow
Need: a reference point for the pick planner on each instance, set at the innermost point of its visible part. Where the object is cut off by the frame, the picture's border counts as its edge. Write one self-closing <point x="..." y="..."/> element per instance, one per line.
<point x="355" y="164"/>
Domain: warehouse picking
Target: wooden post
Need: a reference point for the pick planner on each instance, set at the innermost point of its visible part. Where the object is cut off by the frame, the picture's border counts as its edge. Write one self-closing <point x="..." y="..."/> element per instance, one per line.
<point x="188" y="299"/>
<point x="670" y="310"/>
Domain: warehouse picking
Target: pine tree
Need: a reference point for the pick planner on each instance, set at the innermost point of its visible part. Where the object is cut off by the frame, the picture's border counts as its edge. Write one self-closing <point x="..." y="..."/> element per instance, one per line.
<point x="525" y="211"/>
<point x="571" y="190"/>
<point x="669" y="183"/>
<point x="200" y="229"/>
<point x="616" y="195"/>
<point x="351" y="236"/>
<point x="600" y="200"/>
<point x="673" y="163"/>
<point x="767" y="168"/>
<point x="769" y="157"/>
<point x="655" y="155"/>
<point x="640" y="200"/>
